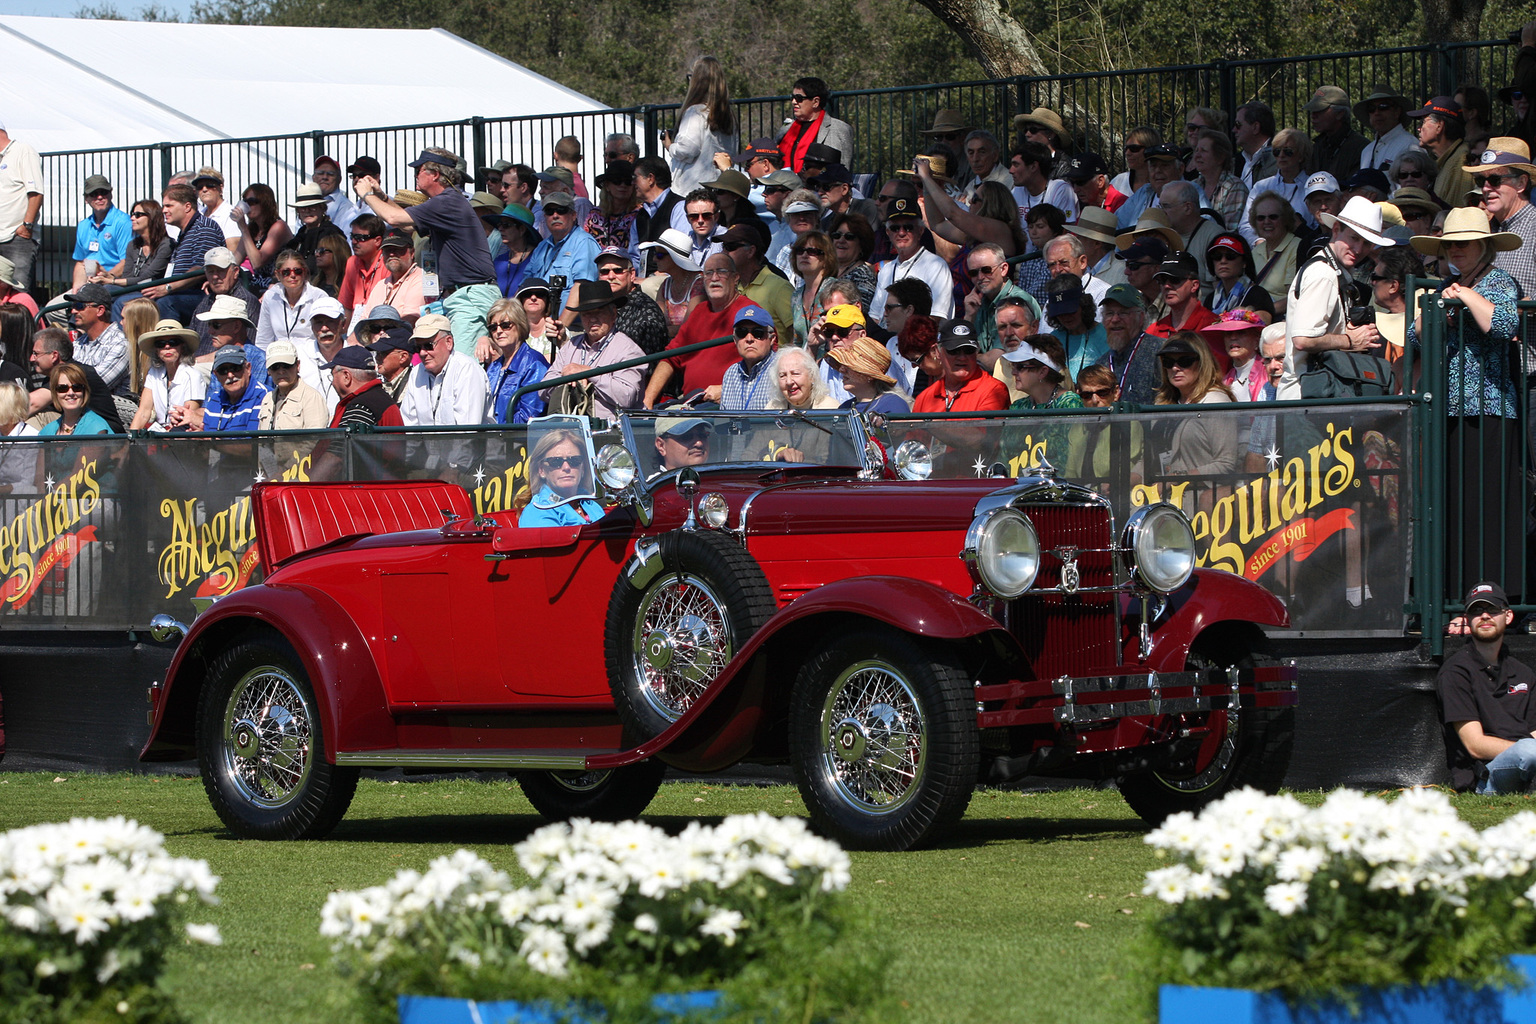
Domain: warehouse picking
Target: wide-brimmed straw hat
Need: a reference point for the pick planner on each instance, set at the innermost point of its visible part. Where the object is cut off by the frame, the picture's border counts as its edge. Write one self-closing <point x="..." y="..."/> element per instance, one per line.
<point x="1504" y="153"/>
<point x="1096" y="223"/>
<point x="938" y="166"/>
<point x="149" y="341"/>
<point x="1466" y="224"/>
<point x="864" y="355"/>
<point x="1045" y="117"/>
<point x="1151" y="222"/>
<point x="1361" y="215"/>
<point x="309" y="194"/>
<point x="1410" y="198"/>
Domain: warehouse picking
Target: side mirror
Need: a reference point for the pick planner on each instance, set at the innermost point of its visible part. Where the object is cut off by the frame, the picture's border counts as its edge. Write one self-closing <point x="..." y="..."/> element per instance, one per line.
<point x="688" y="487"/>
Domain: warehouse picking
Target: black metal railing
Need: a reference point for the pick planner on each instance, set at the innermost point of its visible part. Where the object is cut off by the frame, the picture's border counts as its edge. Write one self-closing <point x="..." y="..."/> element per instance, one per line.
<point x="1098" y="107"/>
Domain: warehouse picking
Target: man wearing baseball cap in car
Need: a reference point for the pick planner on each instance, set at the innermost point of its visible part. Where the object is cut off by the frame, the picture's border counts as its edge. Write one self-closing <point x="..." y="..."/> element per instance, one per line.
<point x="1486" y="700"/>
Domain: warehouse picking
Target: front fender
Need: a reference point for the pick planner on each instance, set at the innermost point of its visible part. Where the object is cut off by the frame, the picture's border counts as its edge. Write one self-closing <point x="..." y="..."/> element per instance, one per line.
<point x="1211" y="596"/>
<point x="722" y="725"/>
<point x="332" y="650"/>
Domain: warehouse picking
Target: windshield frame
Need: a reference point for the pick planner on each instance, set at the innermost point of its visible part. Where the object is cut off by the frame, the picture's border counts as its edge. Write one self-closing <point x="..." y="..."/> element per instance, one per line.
<point x="858" y="437"/>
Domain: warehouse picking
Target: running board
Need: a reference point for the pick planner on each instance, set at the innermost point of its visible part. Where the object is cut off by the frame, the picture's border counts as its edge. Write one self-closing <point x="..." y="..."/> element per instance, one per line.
<point x="449" y="760"/>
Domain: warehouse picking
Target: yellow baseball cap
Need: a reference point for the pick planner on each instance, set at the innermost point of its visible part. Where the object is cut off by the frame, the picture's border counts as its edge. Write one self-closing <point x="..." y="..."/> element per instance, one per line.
<point x="846" y="316"/>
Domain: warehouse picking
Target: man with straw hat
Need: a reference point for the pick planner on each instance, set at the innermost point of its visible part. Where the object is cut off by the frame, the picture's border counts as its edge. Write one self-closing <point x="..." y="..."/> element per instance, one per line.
<point x="1044" y="125"/>
<point x="1317" y="315"/>
<point x="1095" y="228"/>
<point x="1384" y="111"/>
<point x="1504" y="175"/>
<point x="1483" y="438"/>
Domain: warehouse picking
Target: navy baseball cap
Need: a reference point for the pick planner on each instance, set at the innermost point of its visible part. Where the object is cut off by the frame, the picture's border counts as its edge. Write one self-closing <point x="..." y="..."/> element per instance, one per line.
<point x="753" y="314"/>
<point x="353" y="357"/>
<point x="393" y="338"/>
<point x="1154" y="249"/>
<point x="428" y="157"/>
<point x="230" y="355"/>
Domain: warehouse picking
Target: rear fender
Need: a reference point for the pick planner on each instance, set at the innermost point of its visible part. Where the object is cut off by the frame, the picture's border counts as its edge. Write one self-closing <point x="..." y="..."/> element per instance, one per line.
<point x="330" y="647"/>
<point x="1210" y="597"/>
<point x="725" y="723"/>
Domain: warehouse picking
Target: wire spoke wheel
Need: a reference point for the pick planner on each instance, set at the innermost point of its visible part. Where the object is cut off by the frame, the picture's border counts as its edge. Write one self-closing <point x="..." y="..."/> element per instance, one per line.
<point x="875" y="729"/>
<point x="682" y="639"/>
<point x="883" y="738"/>
<point x="261" y="746"/>
<point x="267" y="738"/>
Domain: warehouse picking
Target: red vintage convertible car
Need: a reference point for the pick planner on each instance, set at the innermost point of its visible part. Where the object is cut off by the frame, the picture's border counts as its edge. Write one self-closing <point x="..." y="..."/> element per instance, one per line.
<point x="765" y="588"/>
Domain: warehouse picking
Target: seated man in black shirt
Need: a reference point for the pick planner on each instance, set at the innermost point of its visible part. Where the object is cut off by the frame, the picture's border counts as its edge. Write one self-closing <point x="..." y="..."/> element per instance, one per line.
<point x="1486" y="702"/>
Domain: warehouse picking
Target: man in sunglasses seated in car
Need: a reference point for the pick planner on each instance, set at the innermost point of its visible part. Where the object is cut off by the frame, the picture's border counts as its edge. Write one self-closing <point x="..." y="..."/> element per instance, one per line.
<point x="681" y="441"/>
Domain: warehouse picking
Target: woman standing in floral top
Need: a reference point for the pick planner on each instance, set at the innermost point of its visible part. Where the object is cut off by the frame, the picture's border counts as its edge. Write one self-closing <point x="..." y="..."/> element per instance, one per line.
<point x="1483" y="401"/>
<point x="612" y="220"/>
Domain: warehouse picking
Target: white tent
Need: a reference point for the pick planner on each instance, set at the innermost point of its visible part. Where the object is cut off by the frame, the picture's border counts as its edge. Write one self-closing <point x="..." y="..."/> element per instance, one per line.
<point x="260" y="103"/>
<point x="72" y="83"/>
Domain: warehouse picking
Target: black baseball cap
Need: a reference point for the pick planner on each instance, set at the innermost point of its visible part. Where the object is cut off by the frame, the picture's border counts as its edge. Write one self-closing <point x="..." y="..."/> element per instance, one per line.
<point x="1148" y="248"/>
<point x="1488" y="593"/>
<point x="1084" y="166"/>
<point x="1180" y="266"/>
<point x="393" y="338"/>
<point x="957" y="336"/>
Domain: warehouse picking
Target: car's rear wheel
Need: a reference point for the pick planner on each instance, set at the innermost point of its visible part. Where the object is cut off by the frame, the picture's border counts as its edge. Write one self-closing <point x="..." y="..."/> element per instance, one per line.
<point x="1247" y="746"/>
<point x="668" y="640"/>
<point x="261" y="750"/>
<point x="883" y="739"/>
<point x="617" y="794"/>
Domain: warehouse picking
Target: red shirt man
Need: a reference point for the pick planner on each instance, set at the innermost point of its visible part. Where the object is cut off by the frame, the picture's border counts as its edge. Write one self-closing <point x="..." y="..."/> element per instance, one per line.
<point x="1180" y="279"/>
<point x="713" y="318"/>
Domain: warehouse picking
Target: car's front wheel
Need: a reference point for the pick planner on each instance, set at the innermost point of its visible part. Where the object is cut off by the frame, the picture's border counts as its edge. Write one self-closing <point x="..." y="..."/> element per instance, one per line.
<point x="617" y="794"/>
<point x="1246" y="746"/>
<point x="667" y="641"/>
<point x="883" y="739"/>
<point x="261" y="750"/>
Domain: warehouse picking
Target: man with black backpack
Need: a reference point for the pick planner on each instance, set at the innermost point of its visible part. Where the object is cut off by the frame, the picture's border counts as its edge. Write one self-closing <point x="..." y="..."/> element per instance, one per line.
<point x="1332" y="340"/>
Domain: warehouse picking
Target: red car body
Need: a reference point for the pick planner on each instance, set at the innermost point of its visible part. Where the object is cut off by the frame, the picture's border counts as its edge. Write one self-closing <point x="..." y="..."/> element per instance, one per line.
<point x="474" y="644"/>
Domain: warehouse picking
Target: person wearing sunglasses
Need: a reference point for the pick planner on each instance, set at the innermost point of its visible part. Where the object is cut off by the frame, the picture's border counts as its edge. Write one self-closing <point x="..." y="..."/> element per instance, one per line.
<point x="811" y="124"/>
<point x="234" y="403"/>
<point x="560" y="483"/>
<point x="172" y="386"/>
<point x="815" y="265"/>
<point x="1443" y="132"/>
<point x="513" y="365"/>
<point x="365" y="268"/>
<point x="1039" y="370"/>
<point x="291" y="405"/>
<point x="1277" y="246"/>
<point x="1336" y="146"/>
<point x="1095" y="446"/>
<point x="102" y="237"/>
<point x="1384" y="111"/>
<point x="747" y="384"/>
<point x="70" y="394"/>
<point x="598" y="343"/>
<point x="904" y="227"/>
<point x="1292" y="150"/>
<point x="447" y="386"/>
<point x="1195" y="446"/>
<point x="1137" y="141"/>
<point x="1504" y="174"/>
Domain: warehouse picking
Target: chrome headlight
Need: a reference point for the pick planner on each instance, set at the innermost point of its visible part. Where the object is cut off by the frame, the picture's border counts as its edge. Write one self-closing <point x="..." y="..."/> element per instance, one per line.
<point x="616" y="467"/>
<point x="912" y="460"/>
<point x="1003" y="551"/>
<point x="1159" y="547"/>
<point x="714" y="510"/>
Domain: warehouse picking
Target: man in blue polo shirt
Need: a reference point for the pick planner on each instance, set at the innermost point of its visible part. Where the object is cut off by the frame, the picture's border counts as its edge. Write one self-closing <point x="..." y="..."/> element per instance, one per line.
<point x="103" y="237"/>
<point x="236" y="403"/>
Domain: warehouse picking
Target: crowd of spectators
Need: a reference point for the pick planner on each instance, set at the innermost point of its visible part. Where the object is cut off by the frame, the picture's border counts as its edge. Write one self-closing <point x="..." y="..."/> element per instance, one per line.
<point x="991" y="273"/>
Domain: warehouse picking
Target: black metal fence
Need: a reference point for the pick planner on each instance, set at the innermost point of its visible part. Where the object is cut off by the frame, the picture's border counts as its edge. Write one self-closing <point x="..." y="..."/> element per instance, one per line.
<point x="1098" y="108"/>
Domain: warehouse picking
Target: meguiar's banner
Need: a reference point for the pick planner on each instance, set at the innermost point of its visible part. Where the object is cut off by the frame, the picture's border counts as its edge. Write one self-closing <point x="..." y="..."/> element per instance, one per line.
<point x="1312" y="503"/>
<point x="103" y="533"/>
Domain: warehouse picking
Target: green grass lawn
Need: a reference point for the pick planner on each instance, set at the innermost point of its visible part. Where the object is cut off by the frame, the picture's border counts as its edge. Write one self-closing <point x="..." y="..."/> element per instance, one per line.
<point x="1029" y="912"/>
